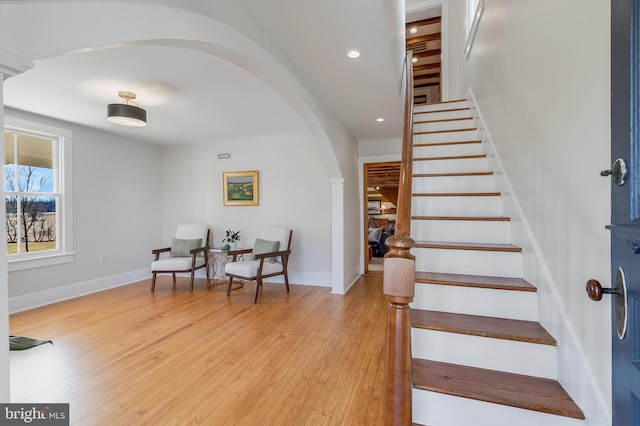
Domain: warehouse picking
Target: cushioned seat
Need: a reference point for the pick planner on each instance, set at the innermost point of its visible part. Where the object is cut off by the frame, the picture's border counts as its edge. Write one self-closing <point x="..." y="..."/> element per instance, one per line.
<point x="249" y="268"/>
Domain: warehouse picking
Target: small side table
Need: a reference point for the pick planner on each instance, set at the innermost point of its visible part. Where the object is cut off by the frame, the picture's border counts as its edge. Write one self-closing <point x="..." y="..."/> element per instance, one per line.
<point x="218" y="258"/>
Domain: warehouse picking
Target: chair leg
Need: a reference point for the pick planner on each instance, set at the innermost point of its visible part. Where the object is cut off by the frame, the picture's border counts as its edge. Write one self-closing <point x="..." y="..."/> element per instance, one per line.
<point x="153" y="282"/>
<point x="258" y="285"/>
<point x="229" y="286"/>
<point x="174" y="280"/>
<point x="286" y="280"/>
<point x="192" y="272"/>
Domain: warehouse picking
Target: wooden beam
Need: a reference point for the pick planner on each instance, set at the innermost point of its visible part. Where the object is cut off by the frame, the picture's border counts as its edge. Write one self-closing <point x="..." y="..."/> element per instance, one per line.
<point x="424" y="22"/>
<point x="426" y="76"/>
<point x="423" y="39"/>
<point x="419" y="86"/>
<point x="434" y="52"/>
<point x="426" y="67"/>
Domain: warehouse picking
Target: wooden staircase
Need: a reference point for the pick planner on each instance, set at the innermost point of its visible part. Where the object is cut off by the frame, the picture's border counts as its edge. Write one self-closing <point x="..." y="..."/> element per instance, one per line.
<point x="479" y="355"/>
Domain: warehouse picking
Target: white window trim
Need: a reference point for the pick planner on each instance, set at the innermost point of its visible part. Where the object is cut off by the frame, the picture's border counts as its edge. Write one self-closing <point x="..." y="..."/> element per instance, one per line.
<point x="473" y="20"/>
<point x="64" y="253"/>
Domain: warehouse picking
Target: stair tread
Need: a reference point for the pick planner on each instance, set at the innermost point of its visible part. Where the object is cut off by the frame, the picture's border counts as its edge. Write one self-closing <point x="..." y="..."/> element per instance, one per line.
<point x="456" y="194"/>
<point x="432" y="132"/>
<point x="450" y="157"/>
<point x="442" y="110"/>
<point x="475" y="325"/>
<point x="417" y="145"/>
<point x="479" y="281"/>
<point x="454" y="174"/>
<point x="465" y="218"/>
<point x="514" y="390"/>
<point x="442" y="120"/>
<point x="468" y="246"/>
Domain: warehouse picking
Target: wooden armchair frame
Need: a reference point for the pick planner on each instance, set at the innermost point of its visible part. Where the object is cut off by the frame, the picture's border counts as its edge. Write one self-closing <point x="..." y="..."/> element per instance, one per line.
<point x="283" y="254"/>
<point x="193" y="253"/>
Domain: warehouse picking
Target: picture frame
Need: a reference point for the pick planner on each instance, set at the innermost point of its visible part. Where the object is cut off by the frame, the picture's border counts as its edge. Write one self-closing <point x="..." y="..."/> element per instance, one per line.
<point x="240" y="188"/>
<point x="373" y="207"/>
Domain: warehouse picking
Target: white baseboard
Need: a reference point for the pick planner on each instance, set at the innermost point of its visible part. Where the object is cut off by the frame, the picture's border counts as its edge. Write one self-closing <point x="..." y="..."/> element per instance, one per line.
<point x="58" y="294"/>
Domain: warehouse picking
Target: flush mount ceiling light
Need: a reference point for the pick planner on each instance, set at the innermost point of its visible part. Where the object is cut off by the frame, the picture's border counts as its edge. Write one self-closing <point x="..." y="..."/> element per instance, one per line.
<point x="353" y="53"/>
<point x="127" y="114"/>
<point x="380" y="120"/>
<point x="413" y="30"/>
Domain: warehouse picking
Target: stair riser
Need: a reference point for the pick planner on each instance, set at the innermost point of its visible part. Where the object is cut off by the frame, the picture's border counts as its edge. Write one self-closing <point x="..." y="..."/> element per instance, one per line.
<point x="509" y="304"/>
<point x="434" y="125"/>
<point x="461" y="231"/>
<point x="469" y="135"/>
<point x="436" y="409"/>
<point x="471" y="262"/>
<point x="465" y="165"/>
<point x="486" y="183"/>
<point x="440" y="106"/>
<point x="456" y="206"/>
<point x="448" y="150"/>
<point x="494" y="354"/>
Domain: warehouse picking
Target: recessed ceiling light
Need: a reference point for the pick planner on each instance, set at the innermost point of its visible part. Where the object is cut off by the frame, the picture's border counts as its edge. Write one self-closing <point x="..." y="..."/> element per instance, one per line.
<point x="353" y="53"/>
<point x="414" y="59"/>
<point x="380" y="120"/>
<point x="413" y="30"/>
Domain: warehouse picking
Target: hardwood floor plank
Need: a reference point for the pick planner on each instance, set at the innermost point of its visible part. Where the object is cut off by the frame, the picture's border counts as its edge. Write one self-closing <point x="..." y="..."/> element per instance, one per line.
<point x="127" y="356"/>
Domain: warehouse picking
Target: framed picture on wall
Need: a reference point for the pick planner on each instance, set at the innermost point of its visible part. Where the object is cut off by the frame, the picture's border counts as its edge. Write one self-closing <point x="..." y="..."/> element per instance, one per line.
<point x="373" y="207"/>
<point x="240" y="188"/>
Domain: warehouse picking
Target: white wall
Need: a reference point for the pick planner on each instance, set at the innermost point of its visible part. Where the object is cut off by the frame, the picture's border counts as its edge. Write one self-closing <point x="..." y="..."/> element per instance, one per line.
<point x="294" y="191"/>
<point x="117" y="214"/>
<point x="539" y="70"/>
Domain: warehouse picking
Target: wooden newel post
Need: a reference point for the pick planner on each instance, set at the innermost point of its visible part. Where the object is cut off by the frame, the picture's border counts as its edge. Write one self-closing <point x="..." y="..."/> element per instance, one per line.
<point x="399" y="285"/>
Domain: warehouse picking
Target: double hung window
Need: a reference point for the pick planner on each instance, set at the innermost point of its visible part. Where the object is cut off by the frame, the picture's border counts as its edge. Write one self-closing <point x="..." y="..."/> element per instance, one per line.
<point x="37" y="194"/>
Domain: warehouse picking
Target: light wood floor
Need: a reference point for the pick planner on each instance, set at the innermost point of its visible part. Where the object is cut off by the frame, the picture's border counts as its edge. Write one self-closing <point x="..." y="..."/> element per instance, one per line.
<point x="129" y="357"/>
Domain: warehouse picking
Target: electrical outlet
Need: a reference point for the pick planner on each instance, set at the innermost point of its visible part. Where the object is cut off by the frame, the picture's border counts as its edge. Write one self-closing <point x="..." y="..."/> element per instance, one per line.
<point x="94" y="261"/>
<point x="103" y="259"/>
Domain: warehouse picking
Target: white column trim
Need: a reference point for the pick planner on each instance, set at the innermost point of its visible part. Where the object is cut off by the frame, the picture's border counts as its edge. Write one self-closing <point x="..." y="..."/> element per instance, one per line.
<point x="337" y="236"/>
<point x="10" y="65"/>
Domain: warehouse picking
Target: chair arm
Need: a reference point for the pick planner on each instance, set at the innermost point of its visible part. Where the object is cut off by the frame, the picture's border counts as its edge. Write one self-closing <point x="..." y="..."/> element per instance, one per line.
<point x="160" y="250"/>
<point x="282" y="253"/>
<point x="241" y="251"/>
<point x="198" y="250"/>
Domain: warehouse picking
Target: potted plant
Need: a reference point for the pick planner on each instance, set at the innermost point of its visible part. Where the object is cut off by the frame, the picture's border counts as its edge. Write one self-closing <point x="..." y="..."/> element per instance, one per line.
<point x="230" y="238"/>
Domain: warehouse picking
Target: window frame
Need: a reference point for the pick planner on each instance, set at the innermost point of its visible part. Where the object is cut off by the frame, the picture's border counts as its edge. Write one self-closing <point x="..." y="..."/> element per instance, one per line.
<point x="63" y="171"/>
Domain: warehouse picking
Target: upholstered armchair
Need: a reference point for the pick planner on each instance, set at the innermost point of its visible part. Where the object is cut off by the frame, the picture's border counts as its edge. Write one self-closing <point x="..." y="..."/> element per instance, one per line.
<point x="189" y="252"/>
<point x="270" y="258"/>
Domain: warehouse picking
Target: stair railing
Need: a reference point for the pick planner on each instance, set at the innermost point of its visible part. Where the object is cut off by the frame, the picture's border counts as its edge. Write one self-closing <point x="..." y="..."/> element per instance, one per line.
<point x="399" y="281"/>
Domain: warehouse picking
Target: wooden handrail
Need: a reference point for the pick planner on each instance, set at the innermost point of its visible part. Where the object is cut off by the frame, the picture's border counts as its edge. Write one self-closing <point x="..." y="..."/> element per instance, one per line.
<point x="403" y="212"/>
<point x="399" y="282"/>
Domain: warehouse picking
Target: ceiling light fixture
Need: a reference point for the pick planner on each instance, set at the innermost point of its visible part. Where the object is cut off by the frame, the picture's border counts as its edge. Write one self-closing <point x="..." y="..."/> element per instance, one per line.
<point x="380" y="120"/>
<point x="353" y="53"/>
<point x="413" y="30"/>
<point x="414" y="59"/>
<point x="126" y="114"/>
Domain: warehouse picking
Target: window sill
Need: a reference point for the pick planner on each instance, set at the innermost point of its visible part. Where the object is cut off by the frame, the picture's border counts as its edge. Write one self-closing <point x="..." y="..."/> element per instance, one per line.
<point x="39" y="262"/>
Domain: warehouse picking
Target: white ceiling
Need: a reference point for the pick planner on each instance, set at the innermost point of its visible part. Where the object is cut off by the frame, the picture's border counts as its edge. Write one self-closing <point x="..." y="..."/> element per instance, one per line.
<point x="191" y="96"/>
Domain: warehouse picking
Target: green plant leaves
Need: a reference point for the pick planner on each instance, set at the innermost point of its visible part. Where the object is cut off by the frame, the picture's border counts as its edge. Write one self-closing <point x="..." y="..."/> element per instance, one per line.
<point x="17" y="343"/>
